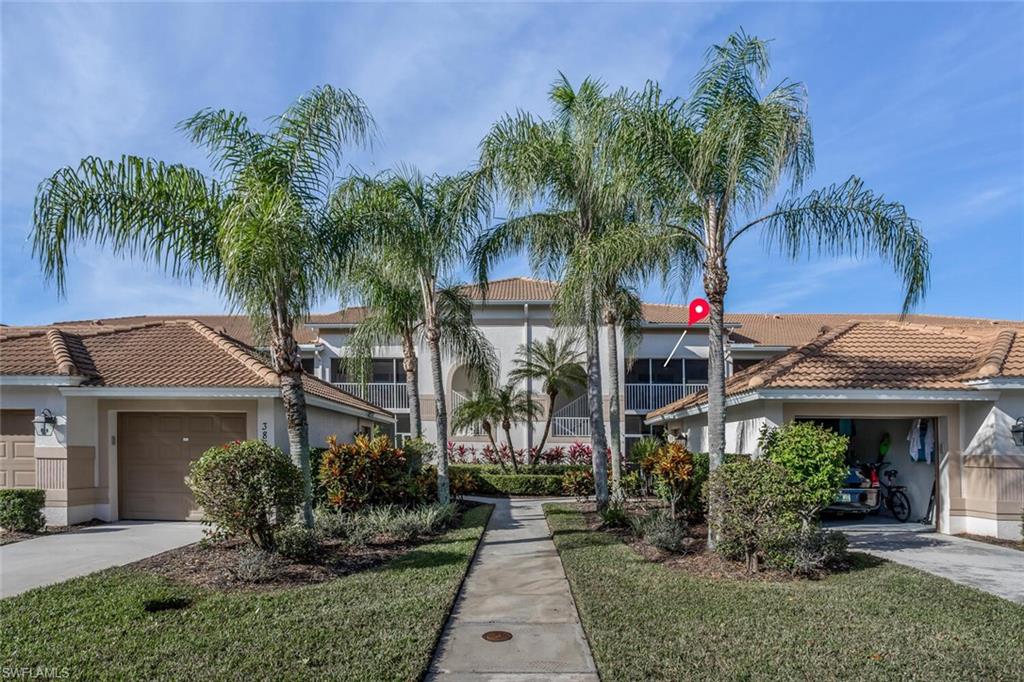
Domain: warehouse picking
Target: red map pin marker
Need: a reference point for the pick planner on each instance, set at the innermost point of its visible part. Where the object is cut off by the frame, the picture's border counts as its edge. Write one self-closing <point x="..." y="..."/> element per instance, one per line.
<point x="699" y="309"/>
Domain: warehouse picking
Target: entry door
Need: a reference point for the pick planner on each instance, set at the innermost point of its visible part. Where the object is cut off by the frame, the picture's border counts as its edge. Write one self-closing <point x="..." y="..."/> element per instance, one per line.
<point x="154" y="450"/>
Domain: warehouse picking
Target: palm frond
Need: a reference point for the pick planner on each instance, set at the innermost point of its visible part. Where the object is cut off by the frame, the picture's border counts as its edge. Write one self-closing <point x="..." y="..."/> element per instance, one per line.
<point x="849" y="219"/>
<point x="140" y="208"/>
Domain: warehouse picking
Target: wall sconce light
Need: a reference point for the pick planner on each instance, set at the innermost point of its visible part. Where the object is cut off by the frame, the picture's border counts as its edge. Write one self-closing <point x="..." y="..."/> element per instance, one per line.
<point x="44" y="422"/>
<point x="1018" y="432"/>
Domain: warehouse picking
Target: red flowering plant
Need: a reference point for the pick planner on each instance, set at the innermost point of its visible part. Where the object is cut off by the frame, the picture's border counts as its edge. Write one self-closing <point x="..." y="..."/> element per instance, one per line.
<point x="578" y="454"/>
<point x="555" y="455"/>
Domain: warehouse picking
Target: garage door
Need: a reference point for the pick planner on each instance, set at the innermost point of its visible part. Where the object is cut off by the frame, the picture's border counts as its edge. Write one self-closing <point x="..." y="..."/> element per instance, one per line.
<point x="154" y="450"/>
<point x="17" y="449"/>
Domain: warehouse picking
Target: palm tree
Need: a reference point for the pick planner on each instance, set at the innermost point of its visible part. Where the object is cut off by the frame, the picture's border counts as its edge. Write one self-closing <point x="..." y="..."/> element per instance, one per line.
<point x="264" y="231"/>
<point x="714" y="163"/>
<point x="479" y="408"/>
<point x="558" y="364"/>
<point x="395" y="311"/>
<point x="425" y="226"/>
<point x="622" y="308"/>
<point x="514" y="406"/>
<point x="572" y="164"/>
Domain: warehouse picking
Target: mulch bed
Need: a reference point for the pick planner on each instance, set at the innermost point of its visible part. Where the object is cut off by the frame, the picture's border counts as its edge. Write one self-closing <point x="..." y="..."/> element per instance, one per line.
<point x="697" y="561"/>
<point x="213" y="564"/>
<point x="9" y="537"/>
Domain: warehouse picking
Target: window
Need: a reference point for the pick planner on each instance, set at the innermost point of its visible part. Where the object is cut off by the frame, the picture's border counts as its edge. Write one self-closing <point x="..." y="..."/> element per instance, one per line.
<point x="383" y="371"/>
<point x="697" y="370"/>
<point x="670" y="373"/>
<point x="404" y="423"/>
<point x="740" y="365"/>
<point x="639" y="372"/>
<point x="307" y="365"/>
<point x="338" y="373"/>
<point x="399" y="371"/>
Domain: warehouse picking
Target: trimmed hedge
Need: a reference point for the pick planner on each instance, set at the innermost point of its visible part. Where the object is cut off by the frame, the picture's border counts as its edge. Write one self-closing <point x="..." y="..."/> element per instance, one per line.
<point x="479" y="480"/>
<point x="21" y="510"/>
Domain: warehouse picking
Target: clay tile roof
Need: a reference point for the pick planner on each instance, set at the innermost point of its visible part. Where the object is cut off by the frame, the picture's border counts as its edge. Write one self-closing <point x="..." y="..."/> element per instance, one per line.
<point x="513" y="289"/>
<point x="235" y="326"/>
<point x="170" y="353"/>
<point x="881" y="355"/>
<point x="1013" y="364"/>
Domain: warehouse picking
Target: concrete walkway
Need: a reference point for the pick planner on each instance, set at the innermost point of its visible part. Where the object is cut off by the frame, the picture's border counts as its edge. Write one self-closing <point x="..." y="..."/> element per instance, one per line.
<point x="994" y="569"/>
<point x="56" y="558"/>
<point x="516" y="585"/>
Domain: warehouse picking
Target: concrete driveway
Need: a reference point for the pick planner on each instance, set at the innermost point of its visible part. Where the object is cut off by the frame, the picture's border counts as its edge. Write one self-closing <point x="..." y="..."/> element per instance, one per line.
<point x="55" y="558"/>
<point x="994" y="569"/>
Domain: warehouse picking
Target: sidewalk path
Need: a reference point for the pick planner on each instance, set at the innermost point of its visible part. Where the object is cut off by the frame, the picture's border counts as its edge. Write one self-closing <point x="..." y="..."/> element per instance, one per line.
<point x="516" y="585"/>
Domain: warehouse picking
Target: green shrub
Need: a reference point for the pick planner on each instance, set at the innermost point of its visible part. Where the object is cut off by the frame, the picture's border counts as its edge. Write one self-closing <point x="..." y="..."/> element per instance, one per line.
<point x="247" y="488"/>
<point x="418" y="453"/>
<point x="370" y="471"/>
<point x="578" y="482"/>
<point x="256" y="565"/>
<point x="388" y="523"/>
<point x="810" y="551"/>
<point x="298" y="543"/>
<point x="470" y="479"/>
<point x="633" y="484"/>
<point x="644" y="448"/>
<point x="21" y="510"/>
<point x="813" y="456"/>
<point x="755" y="509"/>
<point x="662" y="530"/>
<point x="614" y="516"/>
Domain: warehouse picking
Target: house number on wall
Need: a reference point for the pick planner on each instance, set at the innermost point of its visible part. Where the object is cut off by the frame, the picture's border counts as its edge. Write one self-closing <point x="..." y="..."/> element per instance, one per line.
<point x="263" y="433"/>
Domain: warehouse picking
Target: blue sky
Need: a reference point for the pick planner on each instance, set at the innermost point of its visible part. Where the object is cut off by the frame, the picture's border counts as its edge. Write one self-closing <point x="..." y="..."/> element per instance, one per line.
<point x="923" y="101"/>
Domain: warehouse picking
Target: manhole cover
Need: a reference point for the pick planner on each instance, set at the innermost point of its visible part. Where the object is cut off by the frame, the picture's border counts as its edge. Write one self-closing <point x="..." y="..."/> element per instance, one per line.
<point x="497" y="636"/>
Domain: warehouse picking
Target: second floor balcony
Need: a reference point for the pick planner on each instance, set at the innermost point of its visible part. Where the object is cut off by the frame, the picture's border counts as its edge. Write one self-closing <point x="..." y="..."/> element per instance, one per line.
<point x="647" y="397"/>
<point x="390" y="396"/>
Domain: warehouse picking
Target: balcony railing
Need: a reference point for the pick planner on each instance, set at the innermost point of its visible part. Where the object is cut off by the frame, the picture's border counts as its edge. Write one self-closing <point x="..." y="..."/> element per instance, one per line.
<point x="572" y="420"/>
<point x="390" y="396"/>
<point x="646" y="397"/>
<point x="457" y="400"/>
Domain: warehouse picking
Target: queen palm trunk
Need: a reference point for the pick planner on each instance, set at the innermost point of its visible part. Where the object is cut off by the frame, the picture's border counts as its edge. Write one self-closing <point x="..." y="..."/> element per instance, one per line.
<point x="288" y="363"/>
<point x="598" y="441"/>
<point x="614" y="407"/>
<point x="441" y="417"/>
<point x="716" y="282"/>
<point x="412" y="385"/>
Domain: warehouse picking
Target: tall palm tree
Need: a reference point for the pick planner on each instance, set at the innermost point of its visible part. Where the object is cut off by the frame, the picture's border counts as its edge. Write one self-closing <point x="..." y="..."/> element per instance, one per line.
<point x="395" y="311"/>
<point x="425" y="225"/>
<point x="624" y="309"/>
<point x="264" y="230"/>
<point x="557" y="363"/>
<point x="571" y="164"/>
<point x="714" y="164"/>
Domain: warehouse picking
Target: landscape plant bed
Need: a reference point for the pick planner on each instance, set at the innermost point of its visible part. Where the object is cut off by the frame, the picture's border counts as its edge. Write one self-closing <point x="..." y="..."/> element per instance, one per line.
<point x="8" y="537"/>
<point x="878" y="620"/>
<point x="375" y="624"/>
<point x="214" y="564"/>
<point x="697" y="560"/>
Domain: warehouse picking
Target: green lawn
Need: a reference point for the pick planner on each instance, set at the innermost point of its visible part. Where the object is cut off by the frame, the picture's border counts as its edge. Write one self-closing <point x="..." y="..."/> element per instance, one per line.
<point x="879" y="621"/>
<point x="379" y="624"/>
